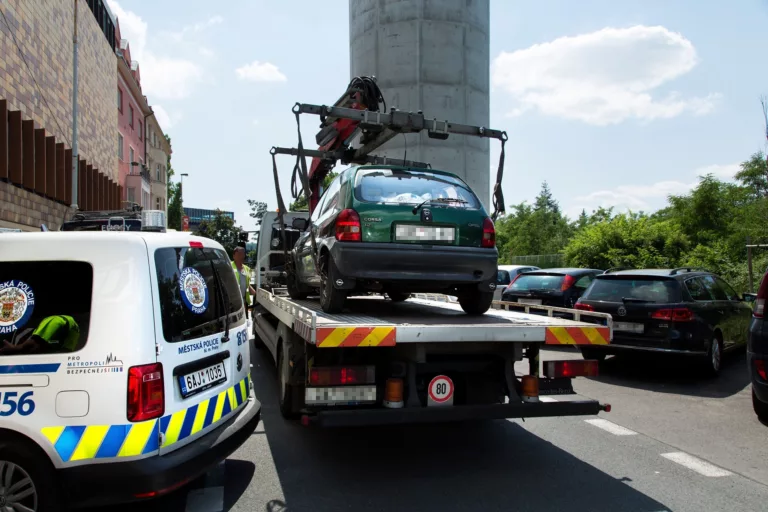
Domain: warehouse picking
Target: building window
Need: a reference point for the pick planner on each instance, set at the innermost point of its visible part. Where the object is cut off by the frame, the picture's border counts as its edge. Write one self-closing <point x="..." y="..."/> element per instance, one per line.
<point x="157" y="172"/>
<point x="141" y="129"/>
<point x="131" y="155"/>
<point x="130" y="113"/>
<point x="158" y="203"/>
<point x="120" y="100"/>
<point x="120" y="146"/>
<point x="131" y="195"/>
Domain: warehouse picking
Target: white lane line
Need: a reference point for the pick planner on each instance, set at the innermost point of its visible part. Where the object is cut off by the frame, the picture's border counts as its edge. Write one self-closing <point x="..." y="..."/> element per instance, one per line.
<point x="700" y="466"/>
<point x="547" y="399"/>
<point x="611" y="427"/>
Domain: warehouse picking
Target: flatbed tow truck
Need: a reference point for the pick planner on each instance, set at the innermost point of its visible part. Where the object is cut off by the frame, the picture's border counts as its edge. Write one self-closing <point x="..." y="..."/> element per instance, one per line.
<point x="418" y="361"/>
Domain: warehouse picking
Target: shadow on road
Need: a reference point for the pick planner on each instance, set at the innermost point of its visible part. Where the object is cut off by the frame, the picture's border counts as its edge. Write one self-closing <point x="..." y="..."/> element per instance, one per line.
<point x="676" y="375"/>
<point x="470" y="466"/>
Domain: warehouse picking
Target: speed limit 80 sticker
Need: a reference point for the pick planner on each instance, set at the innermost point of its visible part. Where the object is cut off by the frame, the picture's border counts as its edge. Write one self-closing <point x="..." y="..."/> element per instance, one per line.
<point x="440" y="391"/>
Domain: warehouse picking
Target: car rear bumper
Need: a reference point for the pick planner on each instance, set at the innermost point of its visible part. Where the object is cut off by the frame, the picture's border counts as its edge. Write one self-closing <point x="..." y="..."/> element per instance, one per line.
<point x="445" y="265"/>
<point x="120" y="482"/>
<point x="620" y="345"/>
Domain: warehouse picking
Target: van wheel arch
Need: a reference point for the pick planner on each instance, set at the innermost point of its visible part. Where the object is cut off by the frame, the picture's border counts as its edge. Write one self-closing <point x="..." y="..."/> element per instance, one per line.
<point x="24" y="451"/>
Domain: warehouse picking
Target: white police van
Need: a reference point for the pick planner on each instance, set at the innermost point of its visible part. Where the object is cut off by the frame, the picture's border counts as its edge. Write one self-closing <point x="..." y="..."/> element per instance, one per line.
<point x="124" y="366"/>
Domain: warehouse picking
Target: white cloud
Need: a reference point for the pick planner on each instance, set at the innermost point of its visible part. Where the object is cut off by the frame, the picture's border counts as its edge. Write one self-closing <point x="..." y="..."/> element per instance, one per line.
<point x="197" y="27"/>
<point x="260" y="72"/>
<point x="162" y="77"/>
<point x="603" y="77"/>
<point x="163" y="119"/>
<point x="722" y="172"/>
<point x="255" y="122"/>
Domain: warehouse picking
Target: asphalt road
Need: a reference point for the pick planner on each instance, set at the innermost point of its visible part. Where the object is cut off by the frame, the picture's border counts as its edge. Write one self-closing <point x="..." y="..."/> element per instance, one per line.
<point x="674" y="442"/>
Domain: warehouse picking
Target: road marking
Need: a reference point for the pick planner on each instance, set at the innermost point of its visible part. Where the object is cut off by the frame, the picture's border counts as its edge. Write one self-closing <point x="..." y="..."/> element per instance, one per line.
<point x="547" y="399"/>
<point x="700" y="466"/>
<point x="611" y="427"/>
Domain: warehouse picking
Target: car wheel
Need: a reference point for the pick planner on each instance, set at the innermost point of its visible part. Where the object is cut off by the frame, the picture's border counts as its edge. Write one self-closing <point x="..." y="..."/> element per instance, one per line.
<point x="294" y="290"/>
<point x="27" y="482"/>
<point x="714" y="357"/>
<point x="331" y="299"/>
<point x="398" y="296"/>
<point x="593" y="354"/>
<point x="761" y="408"/>
<point x="287" y="392"/>
<point x="476" y="303"/>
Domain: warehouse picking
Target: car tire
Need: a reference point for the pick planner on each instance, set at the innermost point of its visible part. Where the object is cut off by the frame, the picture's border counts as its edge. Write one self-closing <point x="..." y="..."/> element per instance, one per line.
<point x="761" y="408"/>
<point x="19" y="463"/>
<point x="714" y="360"/>
<point x="287" y="393"/>
<point x="595" y="355"/>
<point x="294" y="290"/>
<point x="476" y="303"/>
<point x="331" y="299"/>
<point x="398" y="296"/>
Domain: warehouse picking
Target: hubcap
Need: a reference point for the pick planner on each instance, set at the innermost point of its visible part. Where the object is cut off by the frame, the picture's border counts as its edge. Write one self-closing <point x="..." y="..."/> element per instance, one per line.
<point x="716" y="354"/>
<point x="17" y="490"/>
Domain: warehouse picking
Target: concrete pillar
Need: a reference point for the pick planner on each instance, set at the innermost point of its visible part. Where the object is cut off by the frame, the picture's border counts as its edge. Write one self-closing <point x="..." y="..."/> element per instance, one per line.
<point x="430" y="55"/>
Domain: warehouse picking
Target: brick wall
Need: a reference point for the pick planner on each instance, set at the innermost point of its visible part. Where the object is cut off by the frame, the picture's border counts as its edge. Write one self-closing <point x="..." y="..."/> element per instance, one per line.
<point x="43" y="29"/>
<point x="26" y="210"/>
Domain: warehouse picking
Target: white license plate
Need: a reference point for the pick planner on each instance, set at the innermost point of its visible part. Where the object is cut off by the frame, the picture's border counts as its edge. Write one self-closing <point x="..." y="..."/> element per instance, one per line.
<point x="530" y="302"/>
<point x="201" y="380"/>
<point x="628" y="327"/>
<point x="412" y="233"/>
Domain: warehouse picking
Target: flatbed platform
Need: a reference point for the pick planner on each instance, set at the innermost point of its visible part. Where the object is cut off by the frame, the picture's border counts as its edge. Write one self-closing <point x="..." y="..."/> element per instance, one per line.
<point x="376" y="321"/>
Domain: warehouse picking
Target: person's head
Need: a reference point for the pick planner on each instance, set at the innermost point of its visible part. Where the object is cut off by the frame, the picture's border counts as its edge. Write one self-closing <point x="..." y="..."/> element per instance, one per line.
<point x="239" y="255"/>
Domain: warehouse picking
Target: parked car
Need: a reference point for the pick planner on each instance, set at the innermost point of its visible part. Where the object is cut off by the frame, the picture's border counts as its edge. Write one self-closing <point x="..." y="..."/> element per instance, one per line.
<point x="757" y="352"/>
<point x="673" y="311"/>
<point x="397" y="231"/>
<point x="560" y="287"/>
<point x="506" y="274"/>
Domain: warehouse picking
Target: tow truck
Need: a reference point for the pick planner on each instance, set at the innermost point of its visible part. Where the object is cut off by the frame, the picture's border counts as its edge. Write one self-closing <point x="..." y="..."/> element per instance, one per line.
<point x="422" y="360"/>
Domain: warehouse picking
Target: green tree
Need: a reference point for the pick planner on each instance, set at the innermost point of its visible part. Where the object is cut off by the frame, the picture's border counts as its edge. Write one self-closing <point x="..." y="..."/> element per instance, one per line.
<point x="222" y="229"/>
<point x="301" y="202"/>
<point x="175" y="211"/>
<point x="258" y="210"/>
<point x="754" y="174"/>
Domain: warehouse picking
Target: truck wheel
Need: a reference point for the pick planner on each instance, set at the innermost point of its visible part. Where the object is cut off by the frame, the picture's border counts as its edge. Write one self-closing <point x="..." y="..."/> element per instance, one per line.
<point x="761" y="408"/>
<point x="331" y="299"/>
<point x="287" y="392"/>
<point x="476" y="303"/>
<point x="398" y="296"/>
<point x="27" y="481"/>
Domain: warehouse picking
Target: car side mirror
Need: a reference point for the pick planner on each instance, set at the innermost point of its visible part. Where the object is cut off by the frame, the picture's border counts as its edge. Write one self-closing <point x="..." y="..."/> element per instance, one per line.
<point x="300" y="224"/>
<point x="749" y="297"/>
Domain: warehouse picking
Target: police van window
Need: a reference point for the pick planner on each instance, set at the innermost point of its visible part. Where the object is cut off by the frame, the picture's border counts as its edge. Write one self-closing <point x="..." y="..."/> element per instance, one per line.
<point x="45" y="306"/>
<point x="197" y="290"/>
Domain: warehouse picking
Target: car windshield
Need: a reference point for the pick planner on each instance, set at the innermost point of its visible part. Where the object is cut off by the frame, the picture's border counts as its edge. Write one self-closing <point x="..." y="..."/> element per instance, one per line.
<point x="538" y="282"/>
<point x="645" y="289"/>
<point x="413" y="187"/>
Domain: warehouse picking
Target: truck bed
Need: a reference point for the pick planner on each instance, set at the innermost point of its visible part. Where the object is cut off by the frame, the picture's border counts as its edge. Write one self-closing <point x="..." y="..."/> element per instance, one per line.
<point x="376" y="321"/>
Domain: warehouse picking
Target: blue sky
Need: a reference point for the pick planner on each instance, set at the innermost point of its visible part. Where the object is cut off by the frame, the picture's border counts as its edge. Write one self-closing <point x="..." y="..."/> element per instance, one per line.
<point x="612" y="103"/>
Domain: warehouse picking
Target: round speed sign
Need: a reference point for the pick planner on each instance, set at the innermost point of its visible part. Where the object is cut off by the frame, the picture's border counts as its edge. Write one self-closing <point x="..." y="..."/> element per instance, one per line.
<point x="441" y="389"/>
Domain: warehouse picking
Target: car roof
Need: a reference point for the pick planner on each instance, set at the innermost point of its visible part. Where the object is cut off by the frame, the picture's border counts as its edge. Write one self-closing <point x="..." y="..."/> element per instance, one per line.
<point x="402" y="168"/>
<point x="564" y="271"/>
<point x="515" y="267"/>
<point x="151" y="240"/>
<point x="658" y="272"/>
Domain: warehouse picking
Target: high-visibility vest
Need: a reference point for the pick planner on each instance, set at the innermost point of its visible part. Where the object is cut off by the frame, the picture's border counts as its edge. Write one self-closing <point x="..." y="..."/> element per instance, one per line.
<point x="246" y="275"/>
<point x="61" y="330"/>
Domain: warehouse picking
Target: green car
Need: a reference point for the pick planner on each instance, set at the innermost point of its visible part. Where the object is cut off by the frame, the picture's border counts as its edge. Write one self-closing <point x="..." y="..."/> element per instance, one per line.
<point x="397" y="231"/>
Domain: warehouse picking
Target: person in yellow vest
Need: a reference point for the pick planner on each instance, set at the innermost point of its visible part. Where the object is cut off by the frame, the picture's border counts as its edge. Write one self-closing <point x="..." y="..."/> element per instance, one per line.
<point x="57" y="333"/>
<point x="243" y="275"/>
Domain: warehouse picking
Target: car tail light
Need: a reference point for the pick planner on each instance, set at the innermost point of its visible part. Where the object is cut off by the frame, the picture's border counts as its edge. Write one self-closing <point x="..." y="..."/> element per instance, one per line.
<point x="348" y="226"/>
<point x="762" y="295"/>
<point x="341" y="375"/>
<point x="569" y="369"/>
<point x="146" y="392"/>
<point x="489" y="234"/>
<point x="760" y="368"/>
<point x="673" y="314"/>
<point x="567" y="283"/>
<point x="583" y="307"/>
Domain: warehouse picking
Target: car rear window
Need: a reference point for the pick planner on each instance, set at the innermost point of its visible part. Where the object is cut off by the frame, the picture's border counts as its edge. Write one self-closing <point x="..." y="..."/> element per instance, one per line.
<point x="413" y="187"/>
<point x="197" y="289"/>
<point x="644" y="289"/>
<point x="527" y="282"/>
<point x="49" y="301"/>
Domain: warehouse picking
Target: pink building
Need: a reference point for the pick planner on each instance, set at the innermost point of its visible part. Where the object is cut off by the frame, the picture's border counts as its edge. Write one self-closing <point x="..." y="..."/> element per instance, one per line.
<point x="133" y="111"/>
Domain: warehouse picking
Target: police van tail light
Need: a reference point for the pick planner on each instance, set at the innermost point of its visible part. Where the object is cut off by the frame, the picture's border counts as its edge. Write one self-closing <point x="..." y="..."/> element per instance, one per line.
<point x="146" y="393"/>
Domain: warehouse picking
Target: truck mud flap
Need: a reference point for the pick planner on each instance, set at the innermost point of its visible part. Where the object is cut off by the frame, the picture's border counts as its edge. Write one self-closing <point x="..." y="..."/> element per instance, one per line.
<point x="360" y="417"/>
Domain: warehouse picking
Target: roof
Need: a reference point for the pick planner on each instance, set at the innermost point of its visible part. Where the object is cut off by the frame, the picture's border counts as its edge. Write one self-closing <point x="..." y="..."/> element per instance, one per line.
<point x="150" y="240"/>
<point x="660" y="272"/>
<point x="564" y="270"/>
<point x="514" y="267"/>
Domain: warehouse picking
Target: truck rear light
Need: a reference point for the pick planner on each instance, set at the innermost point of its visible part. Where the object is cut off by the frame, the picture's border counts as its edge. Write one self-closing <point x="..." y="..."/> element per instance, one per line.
<point x="341" y="375"/>
<point x="583" y="307"/>
<point x="760" y="368"/>
<point x="567" y="283"/>
<point x="570" y="369"/>
<point x="146" y="392"/>
<point x="673" y="314"/>
<point x="393" y="394"/>
<point x="530" y="388"/>
<point x="348" y="226"/>
<point x="489" y="234"/>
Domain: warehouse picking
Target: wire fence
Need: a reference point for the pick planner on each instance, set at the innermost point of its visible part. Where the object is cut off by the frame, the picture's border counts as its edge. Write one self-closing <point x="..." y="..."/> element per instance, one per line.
<point x="539" y="260"/>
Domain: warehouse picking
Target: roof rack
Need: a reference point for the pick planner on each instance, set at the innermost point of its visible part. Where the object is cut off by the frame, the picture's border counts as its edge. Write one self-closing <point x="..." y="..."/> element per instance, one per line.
<point x="680" y="270"/>
<point x="616" y="269"/>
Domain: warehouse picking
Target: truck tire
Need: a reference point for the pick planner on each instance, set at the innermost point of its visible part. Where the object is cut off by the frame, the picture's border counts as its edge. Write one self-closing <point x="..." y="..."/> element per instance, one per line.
<point x="761" y="408"/>
<point x="398" y="296"/>
<point x="287" y="393"/>
<point x="476" y="303"/>
<point x="331" y="299"/>
<point x="31" y="477"/>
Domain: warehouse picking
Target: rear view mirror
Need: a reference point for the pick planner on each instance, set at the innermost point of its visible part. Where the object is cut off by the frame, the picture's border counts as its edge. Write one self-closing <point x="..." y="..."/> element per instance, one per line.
<point x="749" y="297"/>
<point x="299" y="224"/>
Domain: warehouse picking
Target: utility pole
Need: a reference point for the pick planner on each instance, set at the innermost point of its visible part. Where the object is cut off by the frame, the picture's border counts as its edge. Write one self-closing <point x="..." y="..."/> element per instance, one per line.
<point x="74" y="115"/>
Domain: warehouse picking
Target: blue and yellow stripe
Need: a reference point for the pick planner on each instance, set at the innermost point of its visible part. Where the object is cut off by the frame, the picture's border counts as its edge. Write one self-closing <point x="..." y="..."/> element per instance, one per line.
<point x="82" y="442"/>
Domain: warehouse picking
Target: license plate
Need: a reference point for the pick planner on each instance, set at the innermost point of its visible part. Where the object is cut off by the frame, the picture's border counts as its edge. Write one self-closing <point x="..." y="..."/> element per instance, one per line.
<point x="530" y="302"/>
<point x="629" y="327"/>
<point x="411" y="233"/>
<point x="200" y="380"/>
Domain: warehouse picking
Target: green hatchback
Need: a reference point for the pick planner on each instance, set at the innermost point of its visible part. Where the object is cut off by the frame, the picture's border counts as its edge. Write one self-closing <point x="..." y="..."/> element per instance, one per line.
<point x="397" y="231"/>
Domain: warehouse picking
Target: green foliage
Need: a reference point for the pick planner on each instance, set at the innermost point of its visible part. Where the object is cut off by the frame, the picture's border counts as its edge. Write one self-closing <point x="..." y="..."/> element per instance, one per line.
<point x="175" y="210"/>
<point x="301" y="202"/>
<point x="222" y="229"/>
<point x="258" y="209"/>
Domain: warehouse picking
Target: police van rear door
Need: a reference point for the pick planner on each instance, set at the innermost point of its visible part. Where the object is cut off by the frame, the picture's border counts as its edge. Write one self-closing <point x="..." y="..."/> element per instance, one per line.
<point x="202" y="339"/>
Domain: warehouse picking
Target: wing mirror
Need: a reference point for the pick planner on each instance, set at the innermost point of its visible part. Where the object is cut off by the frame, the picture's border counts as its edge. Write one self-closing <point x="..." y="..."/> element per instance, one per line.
<point x="749" y="297"/>
<point x="299" y="224"/>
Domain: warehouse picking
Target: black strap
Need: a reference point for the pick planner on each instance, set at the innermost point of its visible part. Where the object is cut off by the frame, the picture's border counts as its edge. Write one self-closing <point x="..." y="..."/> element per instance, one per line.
<point x="498" y="194"/>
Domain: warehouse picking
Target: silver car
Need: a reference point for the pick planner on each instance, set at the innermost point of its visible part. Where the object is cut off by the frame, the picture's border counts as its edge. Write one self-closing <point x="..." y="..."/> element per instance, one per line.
<point x="506" y="274"/>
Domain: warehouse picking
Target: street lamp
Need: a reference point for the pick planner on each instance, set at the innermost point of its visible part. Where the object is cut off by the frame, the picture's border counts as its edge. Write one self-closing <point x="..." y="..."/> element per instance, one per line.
<point x="181" y="194"/>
